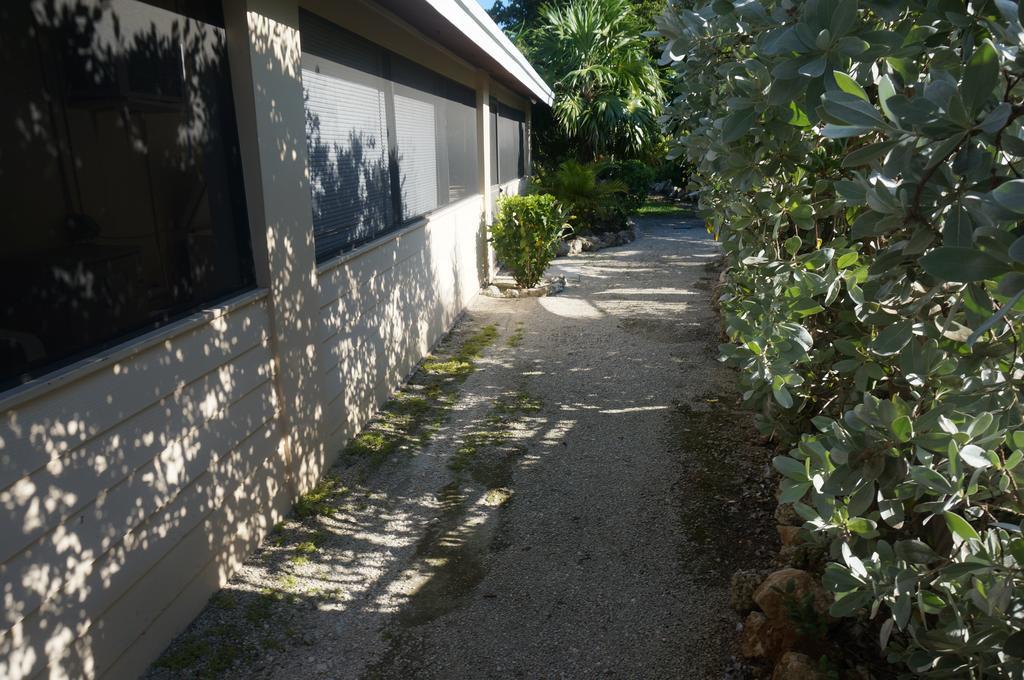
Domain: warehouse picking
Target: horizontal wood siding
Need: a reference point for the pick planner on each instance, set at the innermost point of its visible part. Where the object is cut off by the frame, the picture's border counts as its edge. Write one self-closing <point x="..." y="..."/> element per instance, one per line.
<point x="121" y="489"/>
<point x="382" y="310"/>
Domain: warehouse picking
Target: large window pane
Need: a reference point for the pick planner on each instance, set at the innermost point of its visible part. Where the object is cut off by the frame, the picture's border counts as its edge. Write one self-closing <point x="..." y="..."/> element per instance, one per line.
<point x="346" y="136"/>
<point x="460" y="131"/>
<point x="417" y="116"/>
<point x="511" y="150"/>
<point x="389" y="140"/>
<point x="122" y="189"/>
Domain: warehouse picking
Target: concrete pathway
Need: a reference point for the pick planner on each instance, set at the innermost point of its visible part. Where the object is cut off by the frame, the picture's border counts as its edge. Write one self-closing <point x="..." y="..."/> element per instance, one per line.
<point x="577" y="513"/>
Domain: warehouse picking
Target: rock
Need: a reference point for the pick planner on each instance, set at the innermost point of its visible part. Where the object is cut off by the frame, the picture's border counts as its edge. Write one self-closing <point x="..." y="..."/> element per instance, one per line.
<point x="795" y="666"/>
<point x="511" y="293"/>
<point x="625" y="236"/>
<point x="590" y="243"/>
<point x="788" y="534"/>
<point x="575" y="246"/>
<point x="786" y="515"/>
<point x="765" y="639"/>
<point x="563" y="249"/>
<point x="492" y="291"/>
<point x="809" y="555"/>
<point x="790" y="585"/>
<point x="741" y="593"/>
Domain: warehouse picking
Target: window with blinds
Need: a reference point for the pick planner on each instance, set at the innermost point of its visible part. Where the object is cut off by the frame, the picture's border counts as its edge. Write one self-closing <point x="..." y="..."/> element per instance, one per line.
<point x="388" y="139"/>
<point x="508" y="132"/>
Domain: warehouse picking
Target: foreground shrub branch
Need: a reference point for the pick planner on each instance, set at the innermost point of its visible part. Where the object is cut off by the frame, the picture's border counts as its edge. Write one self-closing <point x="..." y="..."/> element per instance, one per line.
<point x="861" y="165"/>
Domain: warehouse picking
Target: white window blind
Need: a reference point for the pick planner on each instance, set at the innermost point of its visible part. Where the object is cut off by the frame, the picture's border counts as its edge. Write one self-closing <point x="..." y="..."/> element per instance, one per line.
<point x="346" y="137"/>
<point x="415" y="127"/>
<point x="388" y="139"/>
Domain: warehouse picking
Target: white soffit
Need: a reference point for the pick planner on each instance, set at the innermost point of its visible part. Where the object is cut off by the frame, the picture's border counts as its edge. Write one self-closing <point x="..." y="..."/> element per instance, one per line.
<point x="472" y="21"/>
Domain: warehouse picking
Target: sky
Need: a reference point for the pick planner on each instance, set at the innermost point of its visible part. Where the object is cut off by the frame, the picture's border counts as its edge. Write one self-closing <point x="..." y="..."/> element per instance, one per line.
<point x="486" y="4"/>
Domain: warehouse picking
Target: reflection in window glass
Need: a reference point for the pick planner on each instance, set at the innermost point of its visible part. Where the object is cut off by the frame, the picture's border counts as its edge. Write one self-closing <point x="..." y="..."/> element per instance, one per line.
<point x="123" y="204"/>
<point x="388" y="139"/>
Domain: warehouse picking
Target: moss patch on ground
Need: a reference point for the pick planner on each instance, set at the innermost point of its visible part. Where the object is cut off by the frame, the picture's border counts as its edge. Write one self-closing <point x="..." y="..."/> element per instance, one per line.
<point x="495" y="469"/>
<point x="409" y="420"/>
<point x="406" y="424"/>
<point x="516" y="338"/>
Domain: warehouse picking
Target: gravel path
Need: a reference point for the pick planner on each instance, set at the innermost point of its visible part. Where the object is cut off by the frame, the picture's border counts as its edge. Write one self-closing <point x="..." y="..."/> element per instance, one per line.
<point x="559" y="523"/>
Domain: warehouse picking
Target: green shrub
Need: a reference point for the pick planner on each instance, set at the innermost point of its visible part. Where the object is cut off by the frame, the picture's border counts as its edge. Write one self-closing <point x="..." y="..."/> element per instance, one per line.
<point x="526" y="233"/>
<point x="861" y="165"/>
<point x="637" y="177"/>
<point x="595" y="205"/>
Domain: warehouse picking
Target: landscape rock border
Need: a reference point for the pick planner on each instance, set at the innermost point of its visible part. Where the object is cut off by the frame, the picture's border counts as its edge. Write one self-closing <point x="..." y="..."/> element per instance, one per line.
<point x="592" y="242"/>
<point x="506" y="288"/>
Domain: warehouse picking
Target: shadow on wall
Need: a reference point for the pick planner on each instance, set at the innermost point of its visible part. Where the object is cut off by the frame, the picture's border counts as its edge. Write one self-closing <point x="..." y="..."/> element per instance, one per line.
<point x="131" y="492"/>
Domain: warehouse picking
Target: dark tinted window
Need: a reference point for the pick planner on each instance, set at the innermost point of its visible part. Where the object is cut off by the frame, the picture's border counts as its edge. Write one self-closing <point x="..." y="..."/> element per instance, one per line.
<point x="388" y="139"/>
<point x="511" y="143"/>
<point x="121" y="181"/>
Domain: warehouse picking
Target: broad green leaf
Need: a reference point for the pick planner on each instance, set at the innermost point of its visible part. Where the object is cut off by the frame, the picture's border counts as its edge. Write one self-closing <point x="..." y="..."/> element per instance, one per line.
<point x="783" y="396"/>
<point x="1014" y="645"/>
<point x="791" y="468"/>
<point x="850" y="86"/>
<point x="737" y="124"/>
<point x="797" y="116"/>
<point x="980" y="77"/>
<point x="975" y="456"/>
<point x="903" y="428"/>
<point x="915" y="551"/>
<point x="866" y="154"/>
<point x="847" y="260"/>
<point x="793" y="244"/>
<point x="959" y="526"/>
<point x="886" y="90"/>
<point x="1010" y="195"/>
<point x="957" y="229"/>
<point x="930" y="479"/>
<point x="962" y="264"/>
<point x="833" y="131"/>
<point x="995" y="318"/>
<point x="814" y="68"/>
<point x="892" y="339"/>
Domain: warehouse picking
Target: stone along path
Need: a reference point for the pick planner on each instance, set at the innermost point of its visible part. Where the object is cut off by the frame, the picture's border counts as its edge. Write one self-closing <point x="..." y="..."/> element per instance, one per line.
<point x="557" y="494"/>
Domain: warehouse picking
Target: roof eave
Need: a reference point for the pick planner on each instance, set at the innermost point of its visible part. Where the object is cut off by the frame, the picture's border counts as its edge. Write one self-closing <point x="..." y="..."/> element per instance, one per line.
<point x="465" y="28"/>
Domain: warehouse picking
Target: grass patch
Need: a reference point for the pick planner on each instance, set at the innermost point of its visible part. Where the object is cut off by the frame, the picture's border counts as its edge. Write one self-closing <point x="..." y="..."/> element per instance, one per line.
<point x="496" y="429"/>
<point x="664" y="209"/>
<point x="184" y="655"/>
<point x="408" y="421"/>
<point x="223" y="600"/>
<point x="320" y="500"/>
<point x="516" y="338"/>
<point x="306" y="548"/>
<point x="262" y="608"/>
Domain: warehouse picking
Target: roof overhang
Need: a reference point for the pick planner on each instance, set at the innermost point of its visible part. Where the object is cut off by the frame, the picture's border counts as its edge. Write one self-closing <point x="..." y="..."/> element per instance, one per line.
<point x="463" y="27"/>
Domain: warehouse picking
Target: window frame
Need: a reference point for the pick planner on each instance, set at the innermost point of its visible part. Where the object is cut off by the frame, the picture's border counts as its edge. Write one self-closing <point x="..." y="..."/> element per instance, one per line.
<point x="129" y="338"/>
<point x="403" y="77"/>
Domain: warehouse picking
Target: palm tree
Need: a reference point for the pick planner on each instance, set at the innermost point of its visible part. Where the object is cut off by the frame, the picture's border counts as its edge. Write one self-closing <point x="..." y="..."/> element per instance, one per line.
<point x="608" y="93"/>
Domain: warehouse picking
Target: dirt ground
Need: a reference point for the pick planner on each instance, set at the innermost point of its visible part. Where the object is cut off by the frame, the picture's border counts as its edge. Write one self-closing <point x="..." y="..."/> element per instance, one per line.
<point x="562" y="492"/>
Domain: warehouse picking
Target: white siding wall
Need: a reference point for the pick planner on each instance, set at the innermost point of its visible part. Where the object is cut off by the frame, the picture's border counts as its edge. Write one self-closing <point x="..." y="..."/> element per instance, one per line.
<point x="385" y="305"/>
<point x="132" y="486"/>
<point x="128" y="484"/>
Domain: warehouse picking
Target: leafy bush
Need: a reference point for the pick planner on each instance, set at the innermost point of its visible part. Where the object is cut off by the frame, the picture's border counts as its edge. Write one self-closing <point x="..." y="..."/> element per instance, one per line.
<point x="861" y="165"/>
<point x="596" y="205"/>
<point x="525" y="234"/>
<point x="637" y="177"/>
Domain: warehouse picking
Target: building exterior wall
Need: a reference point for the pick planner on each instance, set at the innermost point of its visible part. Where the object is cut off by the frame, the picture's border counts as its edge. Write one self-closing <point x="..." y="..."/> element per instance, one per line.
<point x="133" y="484"/>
